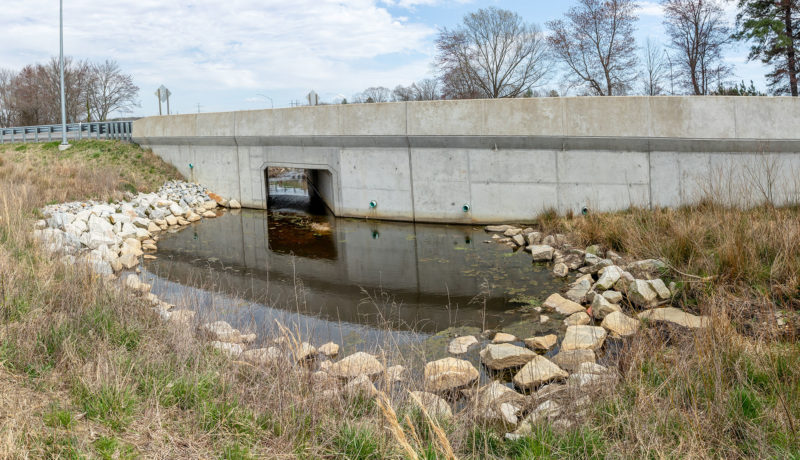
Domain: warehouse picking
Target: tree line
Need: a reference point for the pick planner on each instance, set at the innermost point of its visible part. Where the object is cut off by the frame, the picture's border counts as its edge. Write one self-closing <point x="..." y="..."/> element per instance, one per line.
<point x="92" y="92"/>
<point x="495" y="53"/>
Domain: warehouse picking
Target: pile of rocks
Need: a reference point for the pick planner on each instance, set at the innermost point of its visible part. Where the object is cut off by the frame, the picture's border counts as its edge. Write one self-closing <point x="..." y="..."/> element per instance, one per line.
<point x="110" y="237"/>
<point x="609" y="298"/>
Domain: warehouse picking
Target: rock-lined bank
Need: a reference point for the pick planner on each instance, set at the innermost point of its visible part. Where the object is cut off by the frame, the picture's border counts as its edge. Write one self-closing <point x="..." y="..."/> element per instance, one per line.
<point x="609" y="291"/>
<point x="110" y="237"/>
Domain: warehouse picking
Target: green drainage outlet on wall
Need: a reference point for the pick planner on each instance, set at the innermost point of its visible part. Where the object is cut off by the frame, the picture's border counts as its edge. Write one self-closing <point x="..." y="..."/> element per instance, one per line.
<point x="373" y="204"/>
<point x="466" y="207"/>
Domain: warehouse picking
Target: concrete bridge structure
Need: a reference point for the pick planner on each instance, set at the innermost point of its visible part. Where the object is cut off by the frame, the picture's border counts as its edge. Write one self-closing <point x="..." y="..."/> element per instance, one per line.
<point x="478" y="161"/>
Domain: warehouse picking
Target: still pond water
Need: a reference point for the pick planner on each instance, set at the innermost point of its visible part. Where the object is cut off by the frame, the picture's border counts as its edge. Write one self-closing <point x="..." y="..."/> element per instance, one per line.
<point x="355" y="282"/>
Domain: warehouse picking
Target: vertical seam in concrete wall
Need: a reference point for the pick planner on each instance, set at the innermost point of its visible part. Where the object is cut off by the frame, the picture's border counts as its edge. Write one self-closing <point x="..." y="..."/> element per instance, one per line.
<point x="410" y="174"/>
<point x="238" y="166"/>
<point x="649" y="175"/>
<point x="558" y="179"/>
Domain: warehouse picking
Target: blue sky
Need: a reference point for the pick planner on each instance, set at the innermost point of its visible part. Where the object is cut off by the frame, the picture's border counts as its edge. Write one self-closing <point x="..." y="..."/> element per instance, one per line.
<point x="236" y="54"/>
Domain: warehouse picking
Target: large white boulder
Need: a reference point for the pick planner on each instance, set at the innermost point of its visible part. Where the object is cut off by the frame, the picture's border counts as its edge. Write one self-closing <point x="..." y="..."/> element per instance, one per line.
<point x="358" y="363"/>
<point x="583" y="338"/>
<point x="449" y="374"/>
<point x="562" y="306"/>
<point x="537" y="371"/>
<point x="505" y="355"/>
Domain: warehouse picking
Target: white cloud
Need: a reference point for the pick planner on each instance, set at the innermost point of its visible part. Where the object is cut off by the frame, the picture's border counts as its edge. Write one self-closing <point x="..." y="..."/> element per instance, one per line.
<point x="411" y="4"/>
<point x="212" y="45"/>
<point x="650" y="9"/>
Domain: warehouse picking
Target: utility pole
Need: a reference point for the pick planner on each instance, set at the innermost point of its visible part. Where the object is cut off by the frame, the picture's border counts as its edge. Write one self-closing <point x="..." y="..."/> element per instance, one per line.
<point x="64" y="144"/>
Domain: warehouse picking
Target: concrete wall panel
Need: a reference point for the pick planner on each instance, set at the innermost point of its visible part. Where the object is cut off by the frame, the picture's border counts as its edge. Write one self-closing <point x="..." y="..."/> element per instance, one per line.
<point x="767" y="118"/>
<point x="373" y="119"/>
<point x="307" y="121"/>
<point x="602" y="197"/>
<point x="606" y="117"/>
<point x="392" y="204"/>
<point x="497" y="202"/>
<point x="216" y="124"/>
<point x="530" y="166"/>
<point x="693" y="117"/>
<point x="255" y="123"/>
<point x="524" y="117"/>
<point x="442" y="118"/>
<point x="383" y="169"/>
<point x="592" y="167"/>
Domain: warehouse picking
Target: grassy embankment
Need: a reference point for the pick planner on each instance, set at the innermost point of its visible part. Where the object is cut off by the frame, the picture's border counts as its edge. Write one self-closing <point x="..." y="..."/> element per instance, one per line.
<point x="88" y="371"/>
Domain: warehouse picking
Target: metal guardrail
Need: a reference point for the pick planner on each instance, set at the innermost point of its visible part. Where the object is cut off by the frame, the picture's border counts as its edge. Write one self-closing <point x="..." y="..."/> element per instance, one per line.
<point x="120" y="130"/>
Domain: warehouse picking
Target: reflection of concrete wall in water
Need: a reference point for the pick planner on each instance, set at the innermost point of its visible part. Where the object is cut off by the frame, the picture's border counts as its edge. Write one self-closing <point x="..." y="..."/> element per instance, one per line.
<point x="508" y="159"/>
<point x="329" y="304"/>
<point x="384" y="255"/>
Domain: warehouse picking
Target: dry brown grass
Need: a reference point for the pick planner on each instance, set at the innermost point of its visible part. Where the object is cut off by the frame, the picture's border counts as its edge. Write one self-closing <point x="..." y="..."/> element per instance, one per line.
<point x="88" y="370"/>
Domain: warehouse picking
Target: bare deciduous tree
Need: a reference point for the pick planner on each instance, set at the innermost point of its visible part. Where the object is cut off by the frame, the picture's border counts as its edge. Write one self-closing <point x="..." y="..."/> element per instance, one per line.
<point x="110" y="91"/>
<point x="493" y="53"/>
<point x="6" y="101"/>
<point x="91" y="92"/>
<point x="423" y="90"/>
<point x="426" y="90"/>
<point x="595" y="41"/>
<point x="656" y="69"/>
<point x="699" y="34"/>
<point x="403" y="93"/>
<point x="373" y="94"/>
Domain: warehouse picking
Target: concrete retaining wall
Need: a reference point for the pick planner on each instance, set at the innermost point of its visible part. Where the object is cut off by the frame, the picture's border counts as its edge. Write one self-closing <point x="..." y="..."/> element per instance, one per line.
<point x="506" y="159"/>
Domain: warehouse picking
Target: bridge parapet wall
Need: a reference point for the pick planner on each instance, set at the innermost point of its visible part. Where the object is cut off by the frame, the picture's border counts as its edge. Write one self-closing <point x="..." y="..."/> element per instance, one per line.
<point x="506" y="159"/>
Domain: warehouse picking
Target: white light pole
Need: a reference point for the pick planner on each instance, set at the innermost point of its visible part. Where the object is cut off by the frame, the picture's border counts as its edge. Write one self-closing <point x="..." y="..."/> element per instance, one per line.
<point x="64" y="144"/>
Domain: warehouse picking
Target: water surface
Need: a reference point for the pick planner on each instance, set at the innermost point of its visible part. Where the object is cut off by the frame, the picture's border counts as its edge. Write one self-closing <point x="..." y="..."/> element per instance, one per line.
<point x="349" y="280"/>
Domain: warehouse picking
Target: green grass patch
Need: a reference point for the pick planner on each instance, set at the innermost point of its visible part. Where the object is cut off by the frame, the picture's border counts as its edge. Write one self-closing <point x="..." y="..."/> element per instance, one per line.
<point x="56" y="417"/>
<point x="113" y="406"/>
<point x="236" y="452"/>
<point x="109" y="448"/>
<point x="357" y="443"/>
